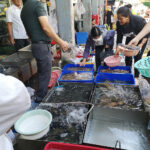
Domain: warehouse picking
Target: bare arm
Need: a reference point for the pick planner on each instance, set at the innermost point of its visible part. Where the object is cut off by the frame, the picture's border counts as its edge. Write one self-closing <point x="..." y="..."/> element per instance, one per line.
<point x="51" y="33"/>
<point x="143" y="42"/>
<point x="9" y="27"/>
<point x="145" y="31"/>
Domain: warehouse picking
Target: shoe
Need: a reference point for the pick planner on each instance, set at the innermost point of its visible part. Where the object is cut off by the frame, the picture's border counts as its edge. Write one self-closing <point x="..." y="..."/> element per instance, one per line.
<point x="37" y="99"/>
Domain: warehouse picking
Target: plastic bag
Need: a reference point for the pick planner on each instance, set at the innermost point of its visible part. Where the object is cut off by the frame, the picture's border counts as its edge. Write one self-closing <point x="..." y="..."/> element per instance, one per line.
<point x="31" y="91"/>
<point x="79" y="10"/>
<point x="145" y="92"/>
<point x="71" y="54"/>
<point x="144" y="88"/>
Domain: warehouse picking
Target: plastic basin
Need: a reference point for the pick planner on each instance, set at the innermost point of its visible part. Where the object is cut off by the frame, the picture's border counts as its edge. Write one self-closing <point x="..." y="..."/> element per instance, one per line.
<point x="33" y="122"/>
<point x="126" y="51"/>
<point x="112" y="61"/>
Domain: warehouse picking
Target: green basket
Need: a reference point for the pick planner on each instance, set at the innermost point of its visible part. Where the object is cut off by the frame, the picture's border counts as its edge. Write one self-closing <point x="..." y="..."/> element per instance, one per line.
<point x="143" y="66"/>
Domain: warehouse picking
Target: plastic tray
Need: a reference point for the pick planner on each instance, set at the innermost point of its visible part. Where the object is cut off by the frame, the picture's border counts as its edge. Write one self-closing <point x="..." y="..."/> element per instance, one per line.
<point x="113" y="68"/>
<point x="71" y="72"/>
<point x="65" y="146"/>
<point x="122" y="79"/>
<point x="143" y="66"/>
<point x="77" y="65"/>
<point x="81" y="37"/>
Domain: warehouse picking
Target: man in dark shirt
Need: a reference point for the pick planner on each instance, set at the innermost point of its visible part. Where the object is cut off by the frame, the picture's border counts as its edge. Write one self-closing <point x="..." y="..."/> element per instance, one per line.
<point x="130" y="25"/>
<point x="35" y="20"/>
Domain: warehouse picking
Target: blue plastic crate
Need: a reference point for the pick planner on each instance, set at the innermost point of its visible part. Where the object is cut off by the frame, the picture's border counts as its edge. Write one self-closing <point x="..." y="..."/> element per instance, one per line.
<point x="113" y="68"/>
<point x="91" y="66"/>
<point x="122" y="79"/>
<point x="71" y="72"/>
<point x="81" y="37"/>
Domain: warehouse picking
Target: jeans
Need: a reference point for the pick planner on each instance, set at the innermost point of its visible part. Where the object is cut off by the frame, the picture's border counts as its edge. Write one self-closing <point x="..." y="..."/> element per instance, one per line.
<point x="42" y="54"/>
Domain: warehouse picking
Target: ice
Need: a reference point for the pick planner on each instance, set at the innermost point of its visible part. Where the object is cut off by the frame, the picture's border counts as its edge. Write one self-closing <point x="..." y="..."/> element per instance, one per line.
<point x="77" y="116"/>
<point x="67" y="114"/>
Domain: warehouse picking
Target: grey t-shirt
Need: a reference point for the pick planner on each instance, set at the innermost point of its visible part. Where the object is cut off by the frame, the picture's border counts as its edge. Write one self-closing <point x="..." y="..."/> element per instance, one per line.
<point x="29" y="15"/>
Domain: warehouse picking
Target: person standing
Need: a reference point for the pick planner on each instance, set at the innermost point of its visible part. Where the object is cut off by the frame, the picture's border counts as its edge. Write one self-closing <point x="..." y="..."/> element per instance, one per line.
<point x="109" y="16"/>
<point x="130" y="25"/>
<point x="35" y="20"/>
<point x="16" y="30"/>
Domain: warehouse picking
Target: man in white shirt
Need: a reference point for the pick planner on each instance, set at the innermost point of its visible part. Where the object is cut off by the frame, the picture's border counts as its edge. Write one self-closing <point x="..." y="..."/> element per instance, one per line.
<point x="14" y="101"/>
<point x="16" y="30"/>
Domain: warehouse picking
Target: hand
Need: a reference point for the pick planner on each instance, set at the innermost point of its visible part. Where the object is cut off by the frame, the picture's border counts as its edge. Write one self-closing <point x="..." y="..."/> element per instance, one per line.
<point x="107" y="46"/>
<point x="12" y="41"/>
<point x="116" y="52"/>
<point x="134" y="41"/>
<point x="64" y="45"/>
<point x="83" y="62"/>
<point x="140" y="45"/>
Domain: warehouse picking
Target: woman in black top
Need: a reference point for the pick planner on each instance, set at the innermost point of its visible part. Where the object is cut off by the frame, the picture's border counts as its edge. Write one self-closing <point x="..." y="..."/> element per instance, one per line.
<point x="130" y="25"/>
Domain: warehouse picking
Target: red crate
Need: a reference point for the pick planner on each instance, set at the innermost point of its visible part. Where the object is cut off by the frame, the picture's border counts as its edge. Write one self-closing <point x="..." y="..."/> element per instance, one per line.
<point x="65" y="146"/>
<point x="54" y="76"/>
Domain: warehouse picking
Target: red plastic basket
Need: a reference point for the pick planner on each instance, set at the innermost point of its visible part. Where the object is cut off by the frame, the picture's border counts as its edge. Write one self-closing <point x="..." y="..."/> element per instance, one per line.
<point x="53" y="80"/>
<point x="65" y="146"/>
<point x="58" y="72"/>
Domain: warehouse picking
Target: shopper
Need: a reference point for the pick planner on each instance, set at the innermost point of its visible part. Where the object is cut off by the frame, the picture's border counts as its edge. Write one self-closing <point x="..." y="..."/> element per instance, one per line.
<point x="130" y="25"/>
<point x="109" y="16"/>
<point x="35" y="20"/>
<point x="101" y="40"/>
<point x="16" y="30"/>
<point x="14" y="101"/>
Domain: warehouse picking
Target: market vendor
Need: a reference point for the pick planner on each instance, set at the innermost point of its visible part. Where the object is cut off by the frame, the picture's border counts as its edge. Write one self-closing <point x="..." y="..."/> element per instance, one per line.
<point x="130" y="25"/>
<point x="35" y="20"/>
<point x="14" y="101"/>
<point x="102" y="41"/>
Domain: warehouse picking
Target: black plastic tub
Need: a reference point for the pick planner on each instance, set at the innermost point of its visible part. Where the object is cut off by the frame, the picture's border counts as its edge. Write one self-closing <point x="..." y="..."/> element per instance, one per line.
<point x="69" y="120"/>
<point x="70" y="92"/>
<point x="125" y="97"/>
